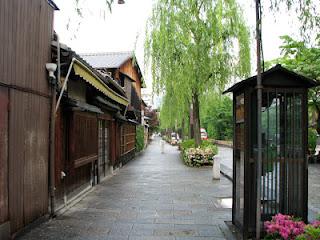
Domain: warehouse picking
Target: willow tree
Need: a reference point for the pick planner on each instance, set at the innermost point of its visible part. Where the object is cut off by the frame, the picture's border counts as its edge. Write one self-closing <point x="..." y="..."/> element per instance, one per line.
<point x="195" y="46"/>
<point x="308" y="13"/>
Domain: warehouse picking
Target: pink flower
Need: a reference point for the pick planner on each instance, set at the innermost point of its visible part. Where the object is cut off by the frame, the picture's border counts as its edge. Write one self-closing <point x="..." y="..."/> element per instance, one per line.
<point x="284" y="233"/>
<point x="285" y="226"/>
<point x="316" y="223"/>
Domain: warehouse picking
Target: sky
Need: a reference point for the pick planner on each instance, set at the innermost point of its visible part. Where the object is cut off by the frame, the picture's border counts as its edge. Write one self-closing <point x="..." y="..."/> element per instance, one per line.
<point x="123" y="29"/>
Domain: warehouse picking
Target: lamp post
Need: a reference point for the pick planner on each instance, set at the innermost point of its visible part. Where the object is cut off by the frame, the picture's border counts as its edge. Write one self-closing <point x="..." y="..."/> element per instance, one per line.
<point x="51" y="68"/>
<point x="259" y="107"/>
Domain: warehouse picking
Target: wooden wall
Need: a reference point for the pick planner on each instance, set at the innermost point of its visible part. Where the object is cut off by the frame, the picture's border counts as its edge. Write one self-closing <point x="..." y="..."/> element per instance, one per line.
<point x="28" y="158"/>
<point x="76" y="146"/>
<point x="25" y="37"/>
<point x="131" y="71"/>
<point x="4" y="213"/>
<point x="83" y="140"/>
<point x="128" y="138"/>
<point x="26" y="29"/>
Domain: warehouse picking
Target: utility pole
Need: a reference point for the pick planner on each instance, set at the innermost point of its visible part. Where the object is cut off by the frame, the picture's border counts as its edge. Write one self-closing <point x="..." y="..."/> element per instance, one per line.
<point x="259" y="107"/>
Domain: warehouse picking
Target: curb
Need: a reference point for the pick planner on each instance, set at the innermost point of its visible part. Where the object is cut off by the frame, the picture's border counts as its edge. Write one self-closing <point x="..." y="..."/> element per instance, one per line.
<point x="226" y="172"/>
<point x="226" y="176"/>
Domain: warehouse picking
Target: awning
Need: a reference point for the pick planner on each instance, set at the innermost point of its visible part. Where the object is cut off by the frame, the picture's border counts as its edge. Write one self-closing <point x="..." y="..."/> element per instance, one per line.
<point x="90" y="77"/>
<point x="120" y="117"/>
<point x="107" y="103"/>
<point x="133" y="121"/>
<point x="77" y="105"/>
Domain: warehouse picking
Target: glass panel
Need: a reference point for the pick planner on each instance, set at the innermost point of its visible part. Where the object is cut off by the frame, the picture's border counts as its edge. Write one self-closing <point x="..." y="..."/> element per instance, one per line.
<point x="106" y="148"/>
<point x="239" y="181"/>
<point x="293" y="153"/>
<point x="100" y="150"/>
<point x="239" y="159"/>
<point x="271" y="149"/>
<point x="282" y="176"/>
<point x="240" y="108"/>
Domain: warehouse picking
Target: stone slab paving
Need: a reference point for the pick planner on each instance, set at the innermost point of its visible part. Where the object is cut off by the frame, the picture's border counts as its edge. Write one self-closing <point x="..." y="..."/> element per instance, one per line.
<point x="225" y="155"/>
<point x="314" y="190"/>
<point x="153" y="197"/>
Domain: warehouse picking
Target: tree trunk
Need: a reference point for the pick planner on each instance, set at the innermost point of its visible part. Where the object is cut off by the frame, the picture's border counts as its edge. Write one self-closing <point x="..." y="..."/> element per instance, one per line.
<point x="182" y="129"/>
<point x="318" y="130"/>
<point x="318" y="121"/>
<point x="196" y="119"/>
<point x="191" y="121"/>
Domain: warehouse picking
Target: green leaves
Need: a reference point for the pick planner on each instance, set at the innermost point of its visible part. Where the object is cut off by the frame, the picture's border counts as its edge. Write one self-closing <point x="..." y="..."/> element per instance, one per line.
<point x="139" y="138"/>
<point x="299" y="57"/>
<point x="308" y="12"/>
<point x="194" y="47"/>
<point x="216" y="116"/>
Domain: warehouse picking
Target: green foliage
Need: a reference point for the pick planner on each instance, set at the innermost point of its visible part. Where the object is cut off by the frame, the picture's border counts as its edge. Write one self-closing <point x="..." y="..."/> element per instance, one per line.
<point x="197" y="157"/>
<point x="311" y="233"/>
<point x="190" y="45"/>
<point x="190" y="143"/>
<point x="216" y="116"/>
<point x="187" y="144"/>
<point x="139" y="138"/>
<point x="312" y="139"/>
<point x="308" y="12"/>
<point x="299" y="57"/>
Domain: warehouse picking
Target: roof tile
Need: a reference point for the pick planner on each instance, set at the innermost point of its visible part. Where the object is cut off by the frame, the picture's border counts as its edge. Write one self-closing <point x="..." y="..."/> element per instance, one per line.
<point x="107" y="60"/>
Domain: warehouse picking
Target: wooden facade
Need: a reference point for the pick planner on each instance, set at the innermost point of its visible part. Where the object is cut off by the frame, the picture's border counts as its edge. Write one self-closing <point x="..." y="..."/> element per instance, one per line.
<point x="25" y="36"/>
<point x="92" y="134"/>
<point x="133" y="72"/>
<point x="125" y="71"/>
<point x="88" y="128"/>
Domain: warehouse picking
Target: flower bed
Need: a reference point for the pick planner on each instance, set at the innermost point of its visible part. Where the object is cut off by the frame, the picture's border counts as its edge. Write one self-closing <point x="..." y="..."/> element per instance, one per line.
<point x="288" y="228"/>
<point x="197" y="157"/>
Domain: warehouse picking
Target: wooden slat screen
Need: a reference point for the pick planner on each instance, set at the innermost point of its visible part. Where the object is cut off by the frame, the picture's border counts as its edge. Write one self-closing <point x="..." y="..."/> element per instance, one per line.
<point x="128" y="138"/>
<point x="83" y="138"/>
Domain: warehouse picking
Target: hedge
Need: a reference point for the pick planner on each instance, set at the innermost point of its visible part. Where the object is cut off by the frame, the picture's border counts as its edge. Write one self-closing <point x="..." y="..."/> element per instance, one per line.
<point x="197" y="157"/>
<point x="139" y="138"/>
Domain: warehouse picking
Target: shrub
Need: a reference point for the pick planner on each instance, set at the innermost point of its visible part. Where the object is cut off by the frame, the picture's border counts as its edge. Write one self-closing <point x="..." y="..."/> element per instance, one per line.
<point x="187" y="144"/>
<point x="312" y="139"/>
<point x="200" y="156"/>
<point x="139" y="138"/>
<point x="283" y="227"/>
<point x="311" y="232"/>
<point x="288" y="228"/>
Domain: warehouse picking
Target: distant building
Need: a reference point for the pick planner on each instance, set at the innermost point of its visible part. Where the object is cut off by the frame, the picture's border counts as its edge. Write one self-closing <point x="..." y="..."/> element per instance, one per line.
<point x="147" y="97"/>
<point x="123" y="68"/>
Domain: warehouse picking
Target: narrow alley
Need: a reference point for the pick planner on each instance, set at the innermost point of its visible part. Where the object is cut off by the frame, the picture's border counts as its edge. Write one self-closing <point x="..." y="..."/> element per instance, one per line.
<point x="153" y="197"/>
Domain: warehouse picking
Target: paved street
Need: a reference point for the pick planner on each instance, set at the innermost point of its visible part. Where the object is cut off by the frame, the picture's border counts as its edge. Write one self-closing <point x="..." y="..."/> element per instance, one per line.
<point x="153" y="197"/>
<point x="313" y="190"/>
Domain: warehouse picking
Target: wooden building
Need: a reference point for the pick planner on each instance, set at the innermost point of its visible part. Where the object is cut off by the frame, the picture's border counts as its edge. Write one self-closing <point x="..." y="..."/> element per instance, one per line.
<point x="88" y="127"/>
<point x="124" y="69"/>
<point x="26" y="30"/>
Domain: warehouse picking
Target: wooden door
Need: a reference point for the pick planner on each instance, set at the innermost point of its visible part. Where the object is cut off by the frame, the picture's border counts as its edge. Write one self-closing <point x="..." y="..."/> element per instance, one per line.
<point x="103" y="161"/>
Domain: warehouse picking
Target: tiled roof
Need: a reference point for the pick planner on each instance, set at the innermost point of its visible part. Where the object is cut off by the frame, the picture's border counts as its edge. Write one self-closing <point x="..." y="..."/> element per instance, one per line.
<point x="107" y="60"/>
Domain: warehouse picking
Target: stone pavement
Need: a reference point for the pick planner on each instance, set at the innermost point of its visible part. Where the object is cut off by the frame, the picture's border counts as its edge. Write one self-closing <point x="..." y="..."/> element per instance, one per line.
<point x="153" y="197"/>
<point x="225" y="155"/>
<point x="314" y="190"/>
